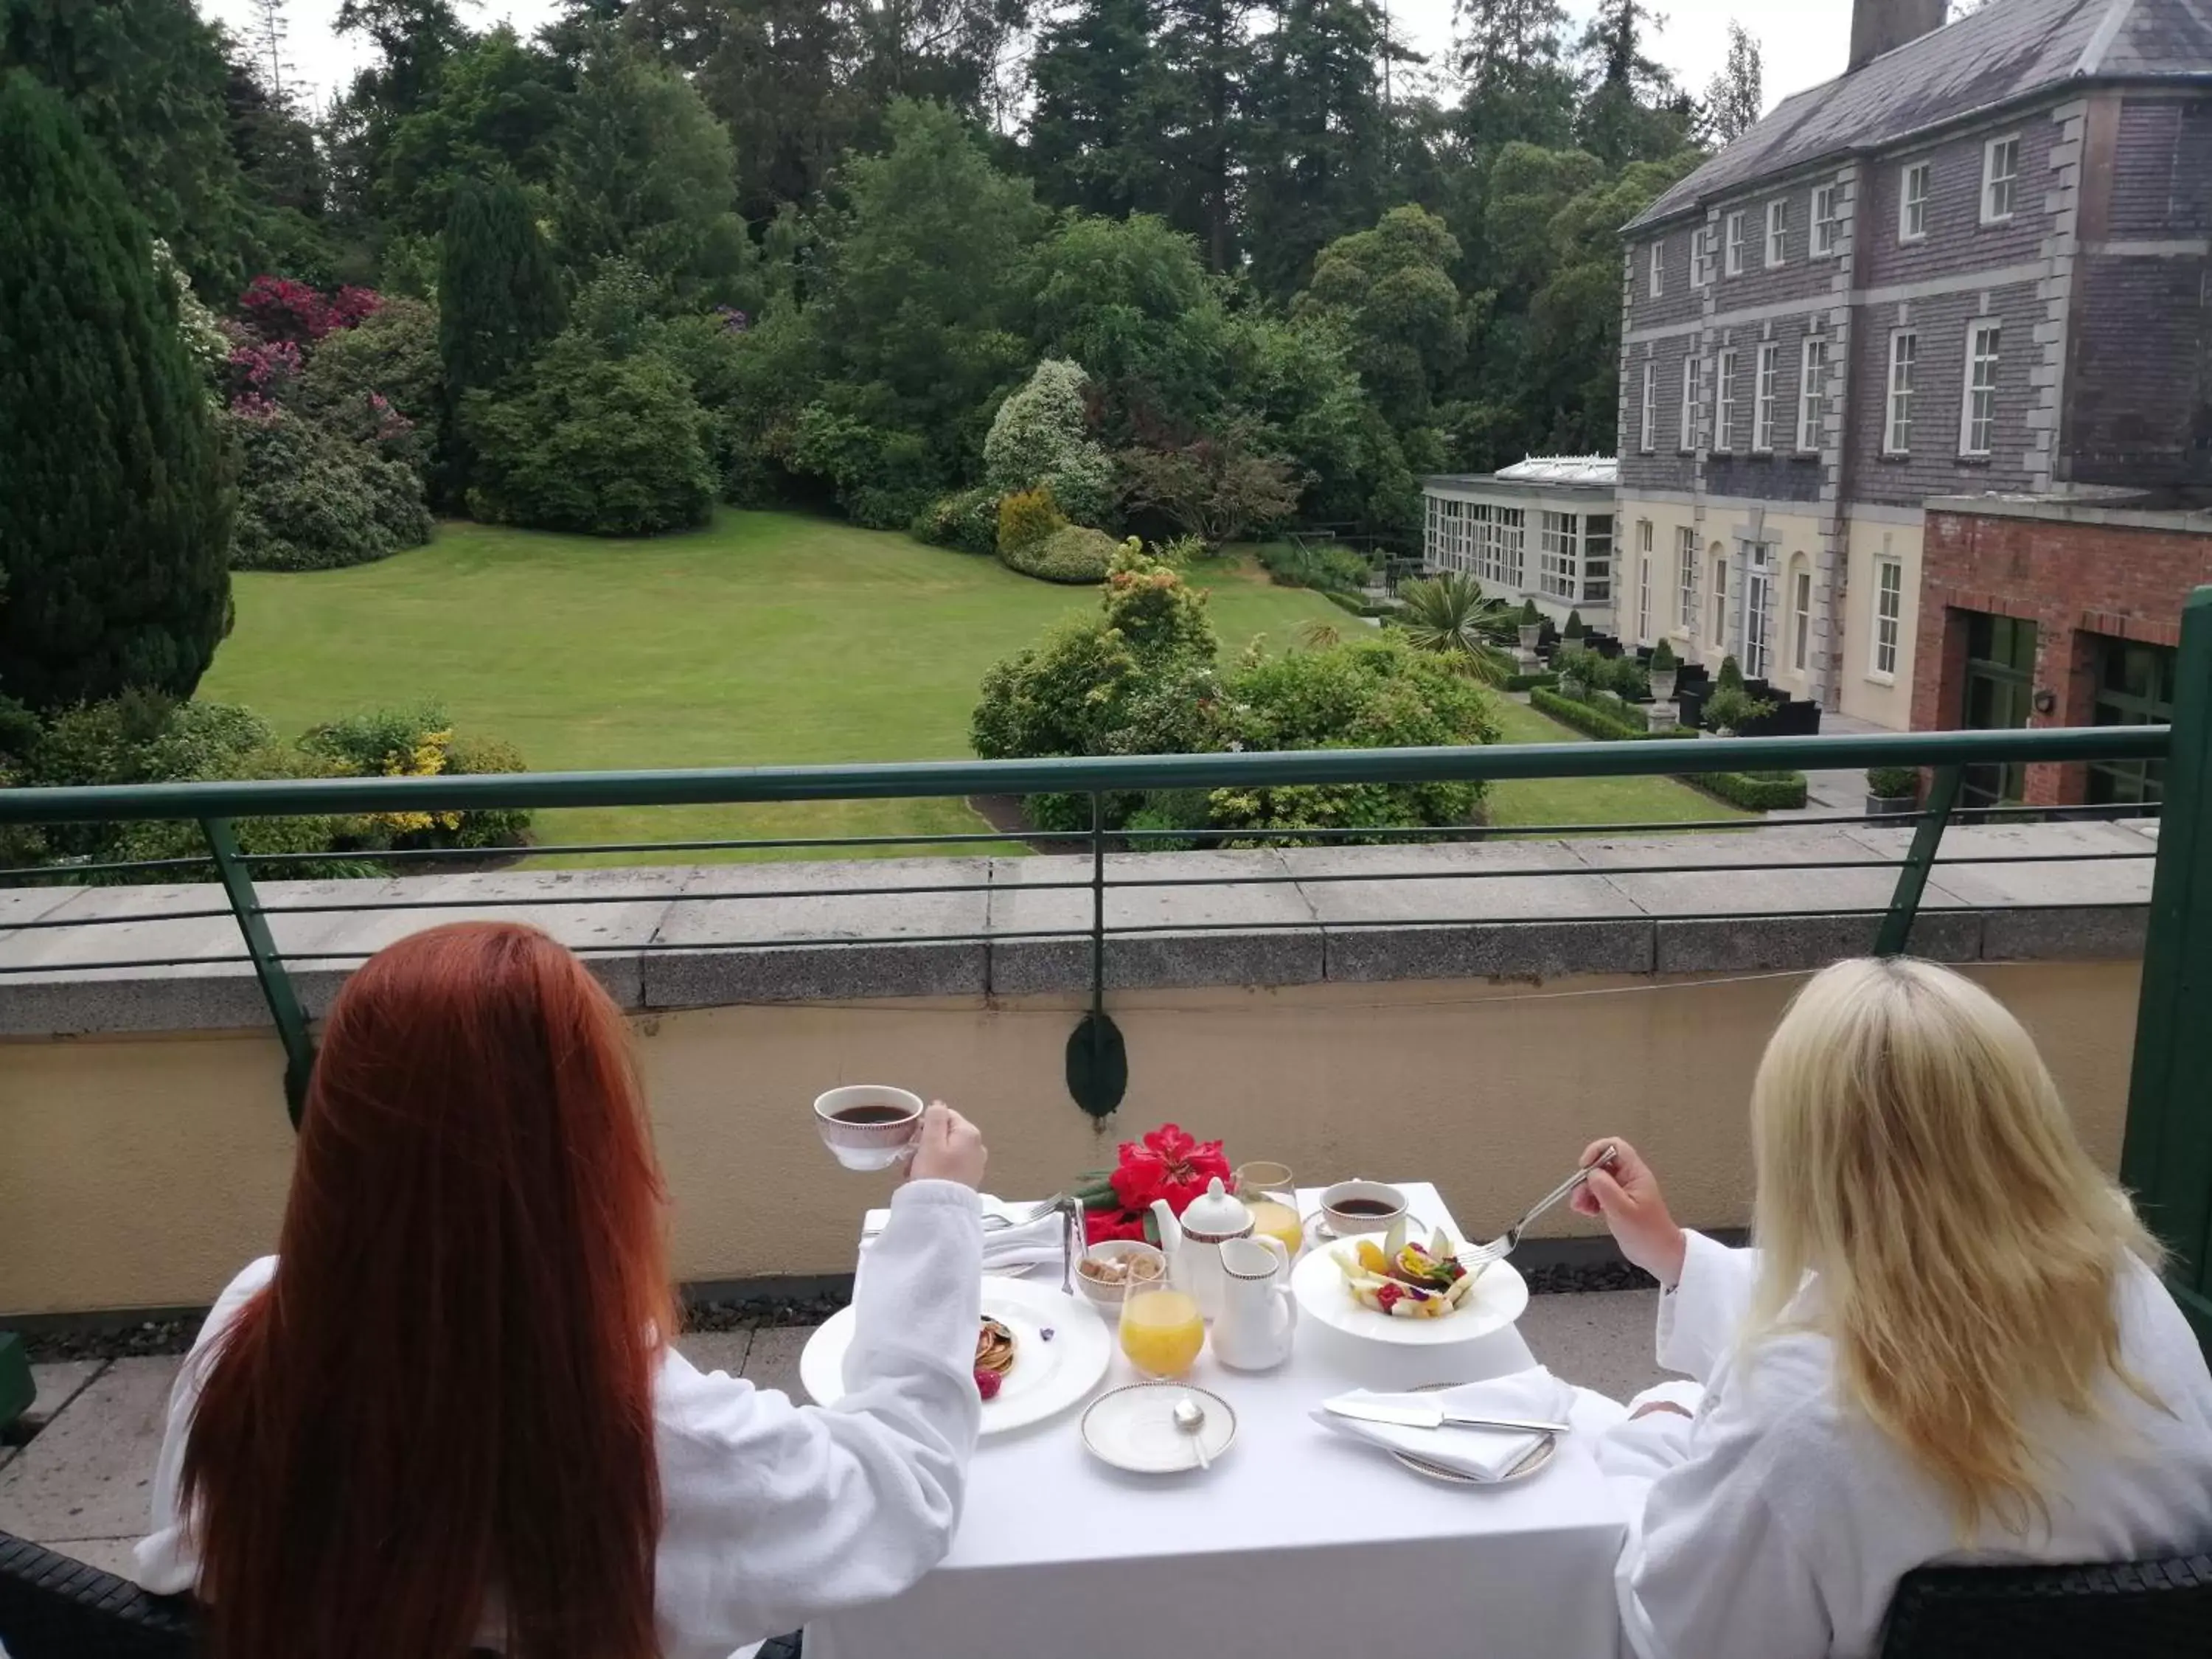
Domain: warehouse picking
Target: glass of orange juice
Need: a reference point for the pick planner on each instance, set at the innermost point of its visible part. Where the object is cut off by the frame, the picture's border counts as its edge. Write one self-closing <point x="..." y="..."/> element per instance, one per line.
<point x="1162" y="1330"/>
<point x="1271" y="1195"/>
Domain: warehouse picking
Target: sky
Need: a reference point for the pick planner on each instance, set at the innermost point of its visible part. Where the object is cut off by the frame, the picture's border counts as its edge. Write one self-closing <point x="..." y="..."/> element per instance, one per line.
<point x="1801" y="45"/>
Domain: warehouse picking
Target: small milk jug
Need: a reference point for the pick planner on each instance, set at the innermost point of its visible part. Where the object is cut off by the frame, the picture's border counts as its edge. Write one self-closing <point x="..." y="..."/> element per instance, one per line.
<point x="1258" y="1312"/>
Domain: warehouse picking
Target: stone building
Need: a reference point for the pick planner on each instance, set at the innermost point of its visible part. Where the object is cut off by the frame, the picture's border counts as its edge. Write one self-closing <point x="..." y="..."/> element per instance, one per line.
<point x="1978" y="263"/>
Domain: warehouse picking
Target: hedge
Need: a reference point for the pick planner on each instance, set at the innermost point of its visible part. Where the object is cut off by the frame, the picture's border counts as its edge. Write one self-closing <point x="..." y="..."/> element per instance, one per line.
<point x="1353" y="602"/>
<point x="1757" y="792"/>
<point x="1542" y="679"/>
<point x="1071" y="554"/>
<point x="1583" y="716"/>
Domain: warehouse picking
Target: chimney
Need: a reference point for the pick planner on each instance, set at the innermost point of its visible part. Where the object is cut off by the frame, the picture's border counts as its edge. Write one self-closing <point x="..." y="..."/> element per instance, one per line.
<point x="1881" y="26"/>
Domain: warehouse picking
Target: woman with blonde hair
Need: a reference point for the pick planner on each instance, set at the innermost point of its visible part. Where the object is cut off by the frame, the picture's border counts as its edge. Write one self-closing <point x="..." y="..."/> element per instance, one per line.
<point x="1950" y="1344"/>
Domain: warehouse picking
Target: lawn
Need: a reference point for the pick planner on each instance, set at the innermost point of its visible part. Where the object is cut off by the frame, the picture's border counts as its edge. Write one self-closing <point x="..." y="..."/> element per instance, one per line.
<point x="765" y="639"/>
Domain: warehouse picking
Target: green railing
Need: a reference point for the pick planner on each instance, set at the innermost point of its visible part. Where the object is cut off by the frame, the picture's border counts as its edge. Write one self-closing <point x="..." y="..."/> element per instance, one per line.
<point x="2168" y="1158"/>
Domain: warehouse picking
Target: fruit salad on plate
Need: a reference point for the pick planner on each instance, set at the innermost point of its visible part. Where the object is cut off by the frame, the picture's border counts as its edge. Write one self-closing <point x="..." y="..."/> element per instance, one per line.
<point x="1403" y="1280"/>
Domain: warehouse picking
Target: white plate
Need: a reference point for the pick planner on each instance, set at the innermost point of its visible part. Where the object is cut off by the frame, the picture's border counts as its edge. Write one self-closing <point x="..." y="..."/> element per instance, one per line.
<point x="1498" y="1297"/>
<point x="1133" y="1428"/>
<point x="1536" y="1460"/>
<point x="1047" y="1378"/>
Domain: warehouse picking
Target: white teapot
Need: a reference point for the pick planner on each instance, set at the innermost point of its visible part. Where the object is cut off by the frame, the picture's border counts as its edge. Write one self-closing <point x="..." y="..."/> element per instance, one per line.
<point x="1258" y="1312"/>
<point x="1193" y="1245"/>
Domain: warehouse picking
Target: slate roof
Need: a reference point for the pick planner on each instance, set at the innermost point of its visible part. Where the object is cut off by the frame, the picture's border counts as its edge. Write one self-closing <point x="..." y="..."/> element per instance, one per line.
<point x="2008" y="51"/>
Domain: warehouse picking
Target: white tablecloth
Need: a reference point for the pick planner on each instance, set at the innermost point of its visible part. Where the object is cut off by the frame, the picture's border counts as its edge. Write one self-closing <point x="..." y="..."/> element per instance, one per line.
<point x="1299" y="1543"/>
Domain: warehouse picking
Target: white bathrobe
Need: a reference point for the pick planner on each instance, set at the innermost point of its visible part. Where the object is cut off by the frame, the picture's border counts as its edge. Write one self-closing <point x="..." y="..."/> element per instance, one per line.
<point x="775" y="1513"/>
<point x="1779" y="1522"/>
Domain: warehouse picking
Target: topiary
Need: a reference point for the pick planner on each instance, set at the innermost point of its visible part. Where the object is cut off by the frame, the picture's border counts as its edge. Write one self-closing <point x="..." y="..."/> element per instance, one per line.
<point x="1730" y="676"/>
<point x="1071" y="554"/>
<point x="1892" y="782"/>
<point x="1026" y="518"/>
<point x="1663" y="660"/>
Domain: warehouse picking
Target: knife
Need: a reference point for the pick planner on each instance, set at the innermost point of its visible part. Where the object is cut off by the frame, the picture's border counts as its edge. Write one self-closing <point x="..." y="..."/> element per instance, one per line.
<point x="1436" y="1417"/>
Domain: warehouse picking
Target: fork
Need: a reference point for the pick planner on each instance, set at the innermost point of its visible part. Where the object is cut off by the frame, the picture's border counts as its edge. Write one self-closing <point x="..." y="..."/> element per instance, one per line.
<point x="1476" y="1257"/>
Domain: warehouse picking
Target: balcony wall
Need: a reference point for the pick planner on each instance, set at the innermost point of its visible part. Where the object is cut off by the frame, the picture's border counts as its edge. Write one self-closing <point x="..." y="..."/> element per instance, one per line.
<point x="1471" y="1026"/>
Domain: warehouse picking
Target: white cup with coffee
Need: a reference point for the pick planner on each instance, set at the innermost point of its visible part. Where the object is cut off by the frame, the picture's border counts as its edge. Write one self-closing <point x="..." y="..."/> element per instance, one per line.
<point x="869" y="1126"/>
<point x="1352" y="1207"/>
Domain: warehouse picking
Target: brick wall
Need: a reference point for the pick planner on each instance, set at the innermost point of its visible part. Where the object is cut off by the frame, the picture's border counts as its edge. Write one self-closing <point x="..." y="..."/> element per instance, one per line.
<point x="2074" y="580"/>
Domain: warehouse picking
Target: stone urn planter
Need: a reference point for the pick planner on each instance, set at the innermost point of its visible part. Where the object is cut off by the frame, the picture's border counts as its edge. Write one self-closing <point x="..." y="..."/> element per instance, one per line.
<point x="1662" y="684"/>
<point x="1531" y="635"/>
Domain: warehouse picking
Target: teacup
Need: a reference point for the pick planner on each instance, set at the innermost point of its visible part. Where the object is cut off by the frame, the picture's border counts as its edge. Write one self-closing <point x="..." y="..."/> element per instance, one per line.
<point x="868" y="1126"/>
<point x="1352" y="1207"/>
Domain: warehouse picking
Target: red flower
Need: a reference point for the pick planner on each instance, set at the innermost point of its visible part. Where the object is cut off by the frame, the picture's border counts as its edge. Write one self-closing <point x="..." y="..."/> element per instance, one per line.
<point x="1100" y="1225"/>
<point x="1167" y="1163"/>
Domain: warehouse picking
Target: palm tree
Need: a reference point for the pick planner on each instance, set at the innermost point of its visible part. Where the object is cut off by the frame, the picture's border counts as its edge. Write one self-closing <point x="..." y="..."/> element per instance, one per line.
<point x="1450" y="614"/>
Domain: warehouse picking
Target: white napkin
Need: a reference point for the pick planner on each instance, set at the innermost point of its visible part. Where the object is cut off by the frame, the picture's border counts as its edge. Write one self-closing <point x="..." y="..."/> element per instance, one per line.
<point x="1483" y="1454"/>
<point x="1005" y="1248"/>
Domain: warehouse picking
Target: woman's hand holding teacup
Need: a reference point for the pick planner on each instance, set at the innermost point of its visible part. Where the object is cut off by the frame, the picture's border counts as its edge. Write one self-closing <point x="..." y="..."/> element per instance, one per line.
<point x="948" y="1148"/>
<point x="1626" y="1194"/>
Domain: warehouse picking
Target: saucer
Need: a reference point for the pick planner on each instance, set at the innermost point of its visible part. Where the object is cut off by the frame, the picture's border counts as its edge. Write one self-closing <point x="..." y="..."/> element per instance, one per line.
<point x="1133" y="1427"/>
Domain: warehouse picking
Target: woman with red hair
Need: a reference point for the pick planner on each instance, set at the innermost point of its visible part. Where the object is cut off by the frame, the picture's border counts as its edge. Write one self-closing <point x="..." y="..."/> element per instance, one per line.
<point x="445" y="1415"/>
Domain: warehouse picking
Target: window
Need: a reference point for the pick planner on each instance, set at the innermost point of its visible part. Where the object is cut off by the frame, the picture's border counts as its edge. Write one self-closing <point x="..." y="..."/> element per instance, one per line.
<point x="1642" y="579"/>
<point x="2000" y="178"/>
<point x="1758" y="603"/>
<point x="1735" y="243"/>
<point x="1888" y="615"/>
<point x="1977" y="414"/>
<point x="1701" y="257"/>
<point x="1724" y="414"/>
<point x="1720" y="599"/>
<point x="1658" y="254"/>
<point x="1597" y="558"/>
<point x="1647" y="413"/>
<point x="1800" y="617"/>
<point x="1823" y="221"/>
<point x="1762" y="399"/>
<point x="2134" y="687"/>
<point x="1778" y="222"/>
<point x="1912" y="203"/>
<point x="1812" y="392"/>
<point x="1686" y="580"/>
<point x="1499" y="562"/>
<point x="1435" y="547"/>
<point x="1555" y="569"/>
<point x="1904" y="357"/>
<point x="1693" y="370"/>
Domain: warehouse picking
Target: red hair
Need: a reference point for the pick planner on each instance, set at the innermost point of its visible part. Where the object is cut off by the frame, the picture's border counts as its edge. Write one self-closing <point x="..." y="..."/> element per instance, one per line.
<point x="448" y="1386"/>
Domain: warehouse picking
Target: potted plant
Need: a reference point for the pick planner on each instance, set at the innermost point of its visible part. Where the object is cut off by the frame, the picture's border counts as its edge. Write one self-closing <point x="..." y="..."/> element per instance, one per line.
<point x="1730" y="708"/>
<point x="1663" y="668"/>
<point x="1892" y="789"/>
<point x="1532" y="625"/>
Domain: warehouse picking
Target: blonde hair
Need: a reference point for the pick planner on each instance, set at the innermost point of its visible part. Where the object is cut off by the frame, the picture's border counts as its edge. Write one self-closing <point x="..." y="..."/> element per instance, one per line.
<point x="1913" y="1152"/>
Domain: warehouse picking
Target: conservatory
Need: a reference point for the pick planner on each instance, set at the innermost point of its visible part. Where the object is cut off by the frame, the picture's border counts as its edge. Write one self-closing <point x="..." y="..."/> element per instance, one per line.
<point x="1541" y="529"/>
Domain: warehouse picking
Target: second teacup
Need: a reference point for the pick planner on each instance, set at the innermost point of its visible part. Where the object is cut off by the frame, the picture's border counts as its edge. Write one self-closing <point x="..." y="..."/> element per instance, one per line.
<point x="868" y="1126"/>
<point x="1352" y="1207"/>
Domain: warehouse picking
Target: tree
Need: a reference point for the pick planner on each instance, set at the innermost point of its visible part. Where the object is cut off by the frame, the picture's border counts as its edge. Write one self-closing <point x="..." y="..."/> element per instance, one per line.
<point x="498" y="112"/>
<point x="115" y="509"/>
<point x="1392" y="288"/>
<point x="1317" y="143"/>
<point x="145" y="79"/>
<point x="1205" y="87"/>
<point x="1092" y="133"/>
<point x="1733" y="98"/>
<point x="1512" y="56"/>
<point x="1450" y="616"/>
<point x="498" y="296"/>
<point x="1633" y="111"/>
<point x="1216" y="489"/>
<point x="646" y="173"/>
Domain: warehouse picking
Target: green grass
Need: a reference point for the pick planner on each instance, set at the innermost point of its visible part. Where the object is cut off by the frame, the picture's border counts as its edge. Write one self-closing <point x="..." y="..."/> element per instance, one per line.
<point x="766" y="639"/>
<point x="1540" y="801"/>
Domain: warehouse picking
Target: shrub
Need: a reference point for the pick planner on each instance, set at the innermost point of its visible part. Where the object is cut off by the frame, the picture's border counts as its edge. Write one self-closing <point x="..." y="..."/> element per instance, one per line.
<point x="1071" y="554"/>
<point x="1039" y="438"/>
<point x="1180" y="553"/>
<point x="1574" y="629"/>
<point x="1315" y="565"/>
<point x="487" y="826"/>
<point x="382" y="382"/>
<point x="1731" y="676"/>
<point x="580" y="440"/>
<point x="1530" y="616"/>
<point x="1757" y="792"/>
<point x="1216" y="487"/>
<point x="310" y="500"/>
<point x="1596" y="719"/>
<point x="1529" y="682"/>
<point x="417" y="743"/>
<point x="883" y="475"/>
<point x="967" y="520"/>
<point x="1663" y="658"/>
<point x="1730" y="708"/>
<point x="1623" y="676"/>
<point x="1892" y="782"/>
<point x="1161" y="617"/>
<point x="1026" y="518"/>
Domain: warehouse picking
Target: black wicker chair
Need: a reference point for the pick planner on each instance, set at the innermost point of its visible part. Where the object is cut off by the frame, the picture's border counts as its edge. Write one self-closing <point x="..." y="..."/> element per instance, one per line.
<point x="2127" y="1610"/>
<point x="54" y="1608"/>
